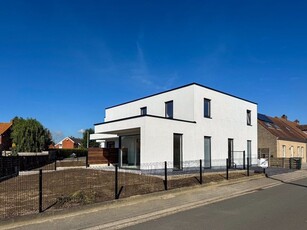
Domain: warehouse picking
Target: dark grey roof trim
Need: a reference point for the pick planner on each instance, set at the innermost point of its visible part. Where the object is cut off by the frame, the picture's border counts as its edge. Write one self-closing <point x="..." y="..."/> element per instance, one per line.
<point x="181" y="88"/>
<point x="147" y="115"/>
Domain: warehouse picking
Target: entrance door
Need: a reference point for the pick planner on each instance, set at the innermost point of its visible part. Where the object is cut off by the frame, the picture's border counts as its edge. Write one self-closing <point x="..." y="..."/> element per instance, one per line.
<point x="177" y="156"/>
<point x="230" y="152"/>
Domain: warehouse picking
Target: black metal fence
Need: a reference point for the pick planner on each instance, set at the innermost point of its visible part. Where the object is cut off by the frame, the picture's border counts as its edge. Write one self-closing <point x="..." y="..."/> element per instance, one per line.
<point x="53" y="187"/>
<point x="10" y="166"/>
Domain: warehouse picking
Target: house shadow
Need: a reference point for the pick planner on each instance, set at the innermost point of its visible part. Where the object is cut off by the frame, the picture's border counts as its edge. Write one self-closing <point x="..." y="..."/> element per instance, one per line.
<point x="289" y="183"/>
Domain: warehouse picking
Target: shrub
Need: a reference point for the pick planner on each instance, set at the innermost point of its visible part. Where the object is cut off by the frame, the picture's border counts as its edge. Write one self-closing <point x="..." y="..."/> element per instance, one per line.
<point x="66" y="153"/>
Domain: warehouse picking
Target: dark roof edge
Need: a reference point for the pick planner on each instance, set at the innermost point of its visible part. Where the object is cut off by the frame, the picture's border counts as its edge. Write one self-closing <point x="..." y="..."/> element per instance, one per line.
<point x="180" y="87"/>
<point x="147" y="115"/>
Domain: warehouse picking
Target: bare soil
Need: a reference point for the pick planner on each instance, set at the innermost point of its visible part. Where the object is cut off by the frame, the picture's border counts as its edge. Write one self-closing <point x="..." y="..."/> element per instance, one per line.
<point x="73" y="187"/>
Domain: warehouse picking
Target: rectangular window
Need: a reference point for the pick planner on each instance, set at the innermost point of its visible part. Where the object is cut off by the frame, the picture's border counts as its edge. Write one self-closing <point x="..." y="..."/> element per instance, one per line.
<point x="291" y="149"/>
<point x="177" y="151"/>
<point x="284" y="151"/>
<point x="298" y="151"/>
<point x="302" y="152"/>
<point x="230" y="153"/>
<point x="249" y="117"/>
<point x="207" y="108"/>
<point x="249" y="151"/>
<point x="143" y="111"/>
<point x="207" y="156"/>
<point x="169" y="109"/>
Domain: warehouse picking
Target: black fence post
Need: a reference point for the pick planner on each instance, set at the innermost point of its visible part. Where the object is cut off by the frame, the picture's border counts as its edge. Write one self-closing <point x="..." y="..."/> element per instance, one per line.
<point x="290" y="163"/>
<point x="116" y="182"/>
<point x="200" y="172"/>
<point x="244" y="160"/>
<point x="165" y="175"/>
<point x="247" y="166"/>
<point x="227" y="163"/>
<point x="86" y="160"/>
<point x="40" y="187"/>
<point x="55" y="164"/>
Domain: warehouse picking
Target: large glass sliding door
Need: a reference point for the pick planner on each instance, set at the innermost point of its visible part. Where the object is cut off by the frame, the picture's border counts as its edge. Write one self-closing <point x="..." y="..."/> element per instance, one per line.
<point x="130" y="150"/>
<point x="177" y="156"/>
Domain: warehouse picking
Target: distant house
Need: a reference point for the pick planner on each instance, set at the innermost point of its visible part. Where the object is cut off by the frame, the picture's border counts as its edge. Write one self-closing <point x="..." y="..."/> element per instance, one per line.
<point x="5" y="136"/>
<point x="280" y="138"/>
<point x="69" y="143"/>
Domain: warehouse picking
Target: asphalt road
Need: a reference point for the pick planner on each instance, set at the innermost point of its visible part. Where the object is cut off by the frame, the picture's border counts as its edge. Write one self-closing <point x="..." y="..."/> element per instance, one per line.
<point x="280" y="207"/>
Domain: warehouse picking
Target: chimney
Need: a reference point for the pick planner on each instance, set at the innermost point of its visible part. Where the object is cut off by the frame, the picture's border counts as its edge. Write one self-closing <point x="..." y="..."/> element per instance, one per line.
<point x="284" y="117"/>
<point x="297" y="122"/>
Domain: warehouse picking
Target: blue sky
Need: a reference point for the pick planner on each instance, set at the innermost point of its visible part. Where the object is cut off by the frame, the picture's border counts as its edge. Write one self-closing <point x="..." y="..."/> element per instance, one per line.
<point x="63" y="62"/>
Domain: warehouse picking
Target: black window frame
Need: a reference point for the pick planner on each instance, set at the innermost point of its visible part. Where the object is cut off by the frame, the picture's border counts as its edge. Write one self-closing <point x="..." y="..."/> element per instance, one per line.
<point x="207" y="114"/>
<point x="248" y="117"/>
<point x="166" y="109"/>
<point x="143" y="110"/>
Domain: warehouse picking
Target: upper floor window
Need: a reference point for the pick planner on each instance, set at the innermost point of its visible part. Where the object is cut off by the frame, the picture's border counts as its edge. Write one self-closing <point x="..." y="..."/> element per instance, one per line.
<point x="249" y="117"/>
<point x="169" y="110"/>
<point x="207" y="108"/>
<point x="143" y="111"/>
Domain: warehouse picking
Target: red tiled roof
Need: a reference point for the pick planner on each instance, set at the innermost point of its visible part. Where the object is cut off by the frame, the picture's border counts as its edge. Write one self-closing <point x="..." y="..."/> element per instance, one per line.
<point x="4" y="127"/>
<point x="302" y="127"/>
<point x="284" y="129"/>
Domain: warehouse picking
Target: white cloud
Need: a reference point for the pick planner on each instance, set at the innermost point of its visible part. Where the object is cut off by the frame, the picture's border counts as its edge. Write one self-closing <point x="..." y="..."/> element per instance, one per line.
<point x="81" y="131"/>
<point x="57" y="136"/>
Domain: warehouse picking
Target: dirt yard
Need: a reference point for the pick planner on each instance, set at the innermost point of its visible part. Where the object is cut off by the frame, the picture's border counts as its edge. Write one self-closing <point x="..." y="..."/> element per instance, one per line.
<point x="74" y="187"/>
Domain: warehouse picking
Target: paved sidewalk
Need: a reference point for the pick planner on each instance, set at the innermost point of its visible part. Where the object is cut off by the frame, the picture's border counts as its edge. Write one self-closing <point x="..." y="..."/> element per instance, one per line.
<point x="130" y="211"/>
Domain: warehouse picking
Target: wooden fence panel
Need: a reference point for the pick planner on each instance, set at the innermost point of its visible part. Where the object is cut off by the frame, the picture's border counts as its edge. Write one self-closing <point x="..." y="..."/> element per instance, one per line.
<point x="103" y="156"/>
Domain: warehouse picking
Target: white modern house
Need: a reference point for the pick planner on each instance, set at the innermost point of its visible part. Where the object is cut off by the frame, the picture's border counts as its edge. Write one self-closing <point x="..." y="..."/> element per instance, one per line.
<point x="187" y="123"/>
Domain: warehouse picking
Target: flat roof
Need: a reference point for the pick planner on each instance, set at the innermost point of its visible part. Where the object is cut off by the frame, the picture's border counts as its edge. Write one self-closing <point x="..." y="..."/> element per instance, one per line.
<point x="181" y="88"/>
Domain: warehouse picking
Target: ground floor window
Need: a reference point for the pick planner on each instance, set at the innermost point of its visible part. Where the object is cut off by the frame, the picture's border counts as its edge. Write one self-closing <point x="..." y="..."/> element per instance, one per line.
<point x="249" y="151"/>
<point x="207" y="156"/>
<point x="130" y="151"/>
<point x="177" y="151"/>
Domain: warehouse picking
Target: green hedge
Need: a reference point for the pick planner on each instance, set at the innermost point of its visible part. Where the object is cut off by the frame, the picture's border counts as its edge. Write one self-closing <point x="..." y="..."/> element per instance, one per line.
<point x="66" y="153"/>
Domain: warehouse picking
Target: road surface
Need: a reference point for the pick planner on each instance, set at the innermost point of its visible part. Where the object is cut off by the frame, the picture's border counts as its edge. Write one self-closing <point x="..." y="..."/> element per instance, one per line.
<point x="280" y="207"/>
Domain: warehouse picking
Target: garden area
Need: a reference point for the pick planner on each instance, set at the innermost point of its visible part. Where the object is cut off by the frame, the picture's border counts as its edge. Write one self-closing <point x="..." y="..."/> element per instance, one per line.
<point x="67" y="188"/>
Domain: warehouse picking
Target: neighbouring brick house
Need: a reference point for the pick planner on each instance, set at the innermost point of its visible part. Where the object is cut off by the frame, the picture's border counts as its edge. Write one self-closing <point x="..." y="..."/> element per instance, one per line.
<point x="69" y="143"/>
<point x="5" y="136"/>
<point x="280" y="138"/>
<point x="303" y="128"/>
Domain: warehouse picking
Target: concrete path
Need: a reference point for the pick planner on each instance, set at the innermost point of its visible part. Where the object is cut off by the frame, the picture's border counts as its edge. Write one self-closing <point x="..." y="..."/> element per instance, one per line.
<point x="127" y="212"/>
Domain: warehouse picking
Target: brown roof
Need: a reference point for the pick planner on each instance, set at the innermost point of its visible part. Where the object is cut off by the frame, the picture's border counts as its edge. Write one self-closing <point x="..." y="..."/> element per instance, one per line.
<point x="282" y="128"/>
<point x="4" y="127"/>
<point x="302" y="127"/>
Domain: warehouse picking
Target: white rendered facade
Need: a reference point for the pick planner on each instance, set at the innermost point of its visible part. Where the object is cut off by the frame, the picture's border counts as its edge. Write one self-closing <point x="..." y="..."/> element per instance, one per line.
<point x="154" y="133"/>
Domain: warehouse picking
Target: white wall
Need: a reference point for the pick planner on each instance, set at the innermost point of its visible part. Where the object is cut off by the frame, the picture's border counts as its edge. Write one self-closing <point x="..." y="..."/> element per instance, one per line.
<point x="183" y="108"/>
<point x="228" y="121"/>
